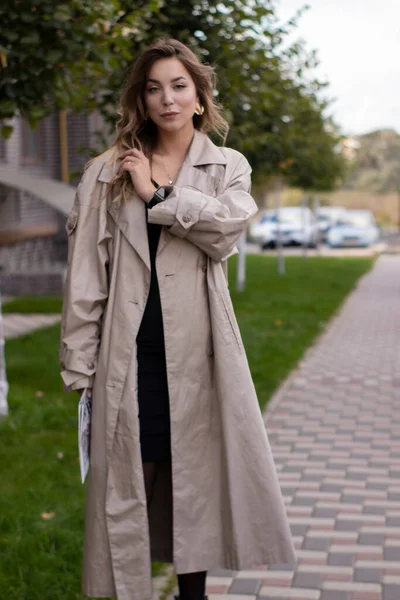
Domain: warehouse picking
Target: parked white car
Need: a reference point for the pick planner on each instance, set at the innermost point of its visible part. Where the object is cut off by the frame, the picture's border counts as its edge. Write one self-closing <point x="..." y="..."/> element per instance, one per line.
<point x="260" y="224"/>
<point x="297" y="226"/>
<point x="329" y="216"/>
<point x="358" y="228"/>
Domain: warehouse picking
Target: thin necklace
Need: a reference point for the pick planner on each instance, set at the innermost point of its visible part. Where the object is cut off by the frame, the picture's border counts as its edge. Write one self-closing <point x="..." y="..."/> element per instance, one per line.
<point x="170" y="180"/>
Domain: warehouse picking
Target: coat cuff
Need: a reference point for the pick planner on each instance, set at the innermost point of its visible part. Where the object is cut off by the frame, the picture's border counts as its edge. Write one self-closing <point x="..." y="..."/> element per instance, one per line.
<point x="78" y="369"/>
<point x="71" y="383"/>
<point x="180" y="211"/>
<point x="81" y="362"/>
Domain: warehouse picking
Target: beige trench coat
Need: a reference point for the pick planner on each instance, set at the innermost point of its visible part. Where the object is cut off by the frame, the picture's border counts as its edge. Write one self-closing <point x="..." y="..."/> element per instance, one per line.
<point x="225" y="507"/>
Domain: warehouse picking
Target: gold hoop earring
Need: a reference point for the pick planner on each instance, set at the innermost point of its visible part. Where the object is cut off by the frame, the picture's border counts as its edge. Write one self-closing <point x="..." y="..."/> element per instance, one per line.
<point x="199" y="109"/>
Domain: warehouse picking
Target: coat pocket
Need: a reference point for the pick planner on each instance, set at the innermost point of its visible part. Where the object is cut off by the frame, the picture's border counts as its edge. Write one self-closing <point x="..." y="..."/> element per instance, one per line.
<point x="231" y="320"/>
<point x="71" y="222"/>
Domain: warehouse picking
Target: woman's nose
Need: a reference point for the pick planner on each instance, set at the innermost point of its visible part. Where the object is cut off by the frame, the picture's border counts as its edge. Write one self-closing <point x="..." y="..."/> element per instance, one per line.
<point x="167" y="98"/>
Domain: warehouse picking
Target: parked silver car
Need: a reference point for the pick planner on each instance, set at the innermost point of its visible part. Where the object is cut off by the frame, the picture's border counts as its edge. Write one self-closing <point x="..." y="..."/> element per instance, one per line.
<point x="329" y="216"/>
<point x="296" y="226"/>
<point x="358" y="228"/>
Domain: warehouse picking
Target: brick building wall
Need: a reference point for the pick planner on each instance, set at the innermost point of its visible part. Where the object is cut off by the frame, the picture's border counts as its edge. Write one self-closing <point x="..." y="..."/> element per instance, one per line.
<point x="32" y="233"/>
<point x="79" y="142"/>
<point x="9" y="208"/>
<point x="2" y="148"/>
<point x="33" y="152"/>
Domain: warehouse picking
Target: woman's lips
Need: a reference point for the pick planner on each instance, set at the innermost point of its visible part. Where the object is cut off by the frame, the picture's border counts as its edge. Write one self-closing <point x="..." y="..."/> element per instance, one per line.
<point x="169" y="115"/>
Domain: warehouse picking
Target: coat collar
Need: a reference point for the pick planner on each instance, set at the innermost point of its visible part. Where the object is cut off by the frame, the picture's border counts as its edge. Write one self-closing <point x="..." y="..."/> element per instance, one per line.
<point x="130" y="216"/>
<point x="202" y="151"/>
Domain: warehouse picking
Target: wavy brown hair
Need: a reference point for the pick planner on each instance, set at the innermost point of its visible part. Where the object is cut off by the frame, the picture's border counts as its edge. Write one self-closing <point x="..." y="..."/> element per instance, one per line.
<point x="134" y="130"/>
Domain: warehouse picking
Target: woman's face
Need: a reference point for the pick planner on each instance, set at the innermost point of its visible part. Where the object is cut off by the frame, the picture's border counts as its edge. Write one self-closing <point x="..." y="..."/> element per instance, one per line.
<point x="170" y="95"/>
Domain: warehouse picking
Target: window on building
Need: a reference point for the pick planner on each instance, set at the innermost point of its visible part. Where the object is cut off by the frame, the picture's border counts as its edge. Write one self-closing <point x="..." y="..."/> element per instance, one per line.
<point x="31" y="151"/>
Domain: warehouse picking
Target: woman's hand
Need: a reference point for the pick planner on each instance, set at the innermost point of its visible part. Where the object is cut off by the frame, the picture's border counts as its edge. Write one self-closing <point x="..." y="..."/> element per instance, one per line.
<point x="138" y="166"/>
<point x="88" y="392"/>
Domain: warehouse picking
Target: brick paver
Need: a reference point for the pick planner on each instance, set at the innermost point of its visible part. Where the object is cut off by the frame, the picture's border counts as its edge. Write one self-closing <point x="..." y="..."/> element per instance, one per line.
<point x="334" y="429"/>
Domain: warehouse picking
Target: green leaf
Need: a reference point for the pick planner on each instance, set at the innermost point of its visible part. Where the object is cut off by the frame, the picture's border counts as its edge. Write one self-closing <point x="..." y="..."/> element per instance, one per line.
<point x="6" y="131"/>
<point x="7" y="109"/>
<point x="54" y="56"/>
<point x="62" y="14"/>
<point x="31" y="38"/>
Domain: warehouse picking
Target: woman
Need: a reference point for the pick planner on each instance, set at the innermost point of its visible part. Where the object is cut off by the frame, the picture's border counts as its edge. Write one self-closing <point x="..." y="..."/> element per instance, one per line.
<point x="181" y="469"/>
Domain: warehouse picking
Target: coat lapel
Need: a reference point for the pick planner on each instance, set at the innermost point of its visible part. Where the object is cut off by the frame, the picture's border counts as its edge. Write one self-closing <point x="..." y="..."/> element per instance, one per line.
<point x="130" y="216"/>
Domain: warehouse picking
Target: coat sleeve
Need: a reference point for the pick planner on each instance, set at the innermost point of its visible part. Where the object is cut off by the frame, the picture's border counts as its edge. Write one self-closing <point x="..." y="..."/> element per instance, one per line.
<point x="214" y="224"/>
<point x="85" y="292"/>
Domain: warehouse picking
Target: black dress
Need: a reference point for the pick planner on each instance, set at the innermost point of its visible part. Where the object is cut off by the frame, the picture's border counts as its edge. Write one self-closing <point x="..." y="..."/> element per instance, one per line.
<point x="153" y="399"/>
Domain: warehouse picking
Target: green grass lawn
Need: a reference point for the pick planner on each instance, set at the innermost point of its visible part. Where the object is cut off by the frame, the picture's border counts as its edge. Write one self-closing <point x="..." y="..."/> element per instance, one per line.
<point x="42" y="500"/>
<point x="280" y="315"/>
<point x="41" y="497"/>
<point x="34" y="304"/>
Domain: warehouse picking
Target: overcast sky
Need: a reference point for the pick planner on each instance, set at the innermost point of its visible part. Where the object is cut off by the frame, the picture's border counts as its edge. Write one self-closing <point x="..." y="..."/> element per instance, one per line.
<point x="358" y="44"/>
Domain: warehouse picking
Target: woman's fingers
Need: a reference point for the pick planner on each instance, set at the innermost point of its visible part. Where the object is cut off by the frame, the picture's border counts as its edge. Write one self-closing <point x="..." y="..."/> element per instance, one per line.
<point x="134" y="152"/>
<point x="128" y="162"/>
<point x="130" y="158"/>
<point x="138" y="166"/>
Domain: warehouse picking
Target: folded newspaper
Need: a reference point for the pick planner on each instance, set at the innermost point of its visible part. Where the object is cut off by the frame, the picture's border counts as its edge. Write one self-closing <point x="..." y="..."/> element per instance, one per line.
<point x="84" y="420"/>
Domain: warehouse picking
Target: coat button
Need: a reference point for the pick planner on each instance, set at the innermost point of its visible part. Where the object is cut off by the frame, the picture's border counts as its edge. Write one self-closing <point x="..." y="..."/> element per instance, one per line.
<point x="90" y="365"/>
<point x="204" y="268"/>
<point x="186" y="218"/>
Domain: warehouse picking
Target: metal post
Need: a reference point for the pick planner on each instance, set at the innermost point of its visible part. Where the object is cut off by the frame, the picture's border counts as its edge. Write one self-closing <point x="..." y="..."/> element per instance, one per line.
<point x="241" y="265"/>
<point x="315" y="211"/>
<point x="304" y="206"/>
<point x="398" y="197"/>
<point x="3" y="378"/>
<point x="63" y="132"/>
<point x="281" y="258"/>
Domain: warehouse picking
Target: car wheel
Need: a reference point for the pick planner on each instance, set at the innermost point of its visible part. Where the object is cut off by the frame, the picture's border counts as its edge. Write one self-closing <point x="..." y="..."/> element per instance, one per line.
<point x="268" y="246"/>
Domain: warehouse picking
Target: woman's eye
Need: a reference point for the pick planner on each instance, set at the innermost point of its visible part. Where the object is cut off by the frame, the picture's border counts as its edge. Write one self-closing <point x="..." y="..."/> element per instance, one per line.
<point x="152" y="89"/>
<point x="180" y="86"/>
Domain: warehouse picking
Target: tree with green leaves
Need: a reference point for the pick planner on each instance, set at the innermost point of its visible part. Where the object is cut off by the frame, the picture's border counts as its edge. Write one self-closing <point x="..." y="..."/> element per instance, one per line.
<point x="315" y="161"/>
<point x="272" y="103"/>
<point x="58" y="55"/>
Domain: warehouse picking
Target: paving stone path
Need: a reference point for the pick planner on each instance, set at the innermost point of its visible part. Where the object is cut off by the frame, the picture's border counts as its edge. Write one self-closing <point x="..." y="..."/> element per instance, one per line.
<point x="17" y="324"/>
<point x="334" y="428"/>
<point x="335" y="434"/>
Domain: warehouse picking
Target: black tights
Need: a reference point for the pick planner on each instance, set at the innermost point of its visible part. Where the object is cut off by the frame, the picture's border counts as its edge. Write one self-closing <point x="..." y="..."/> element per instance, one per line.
<point x="192" y="586"/>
